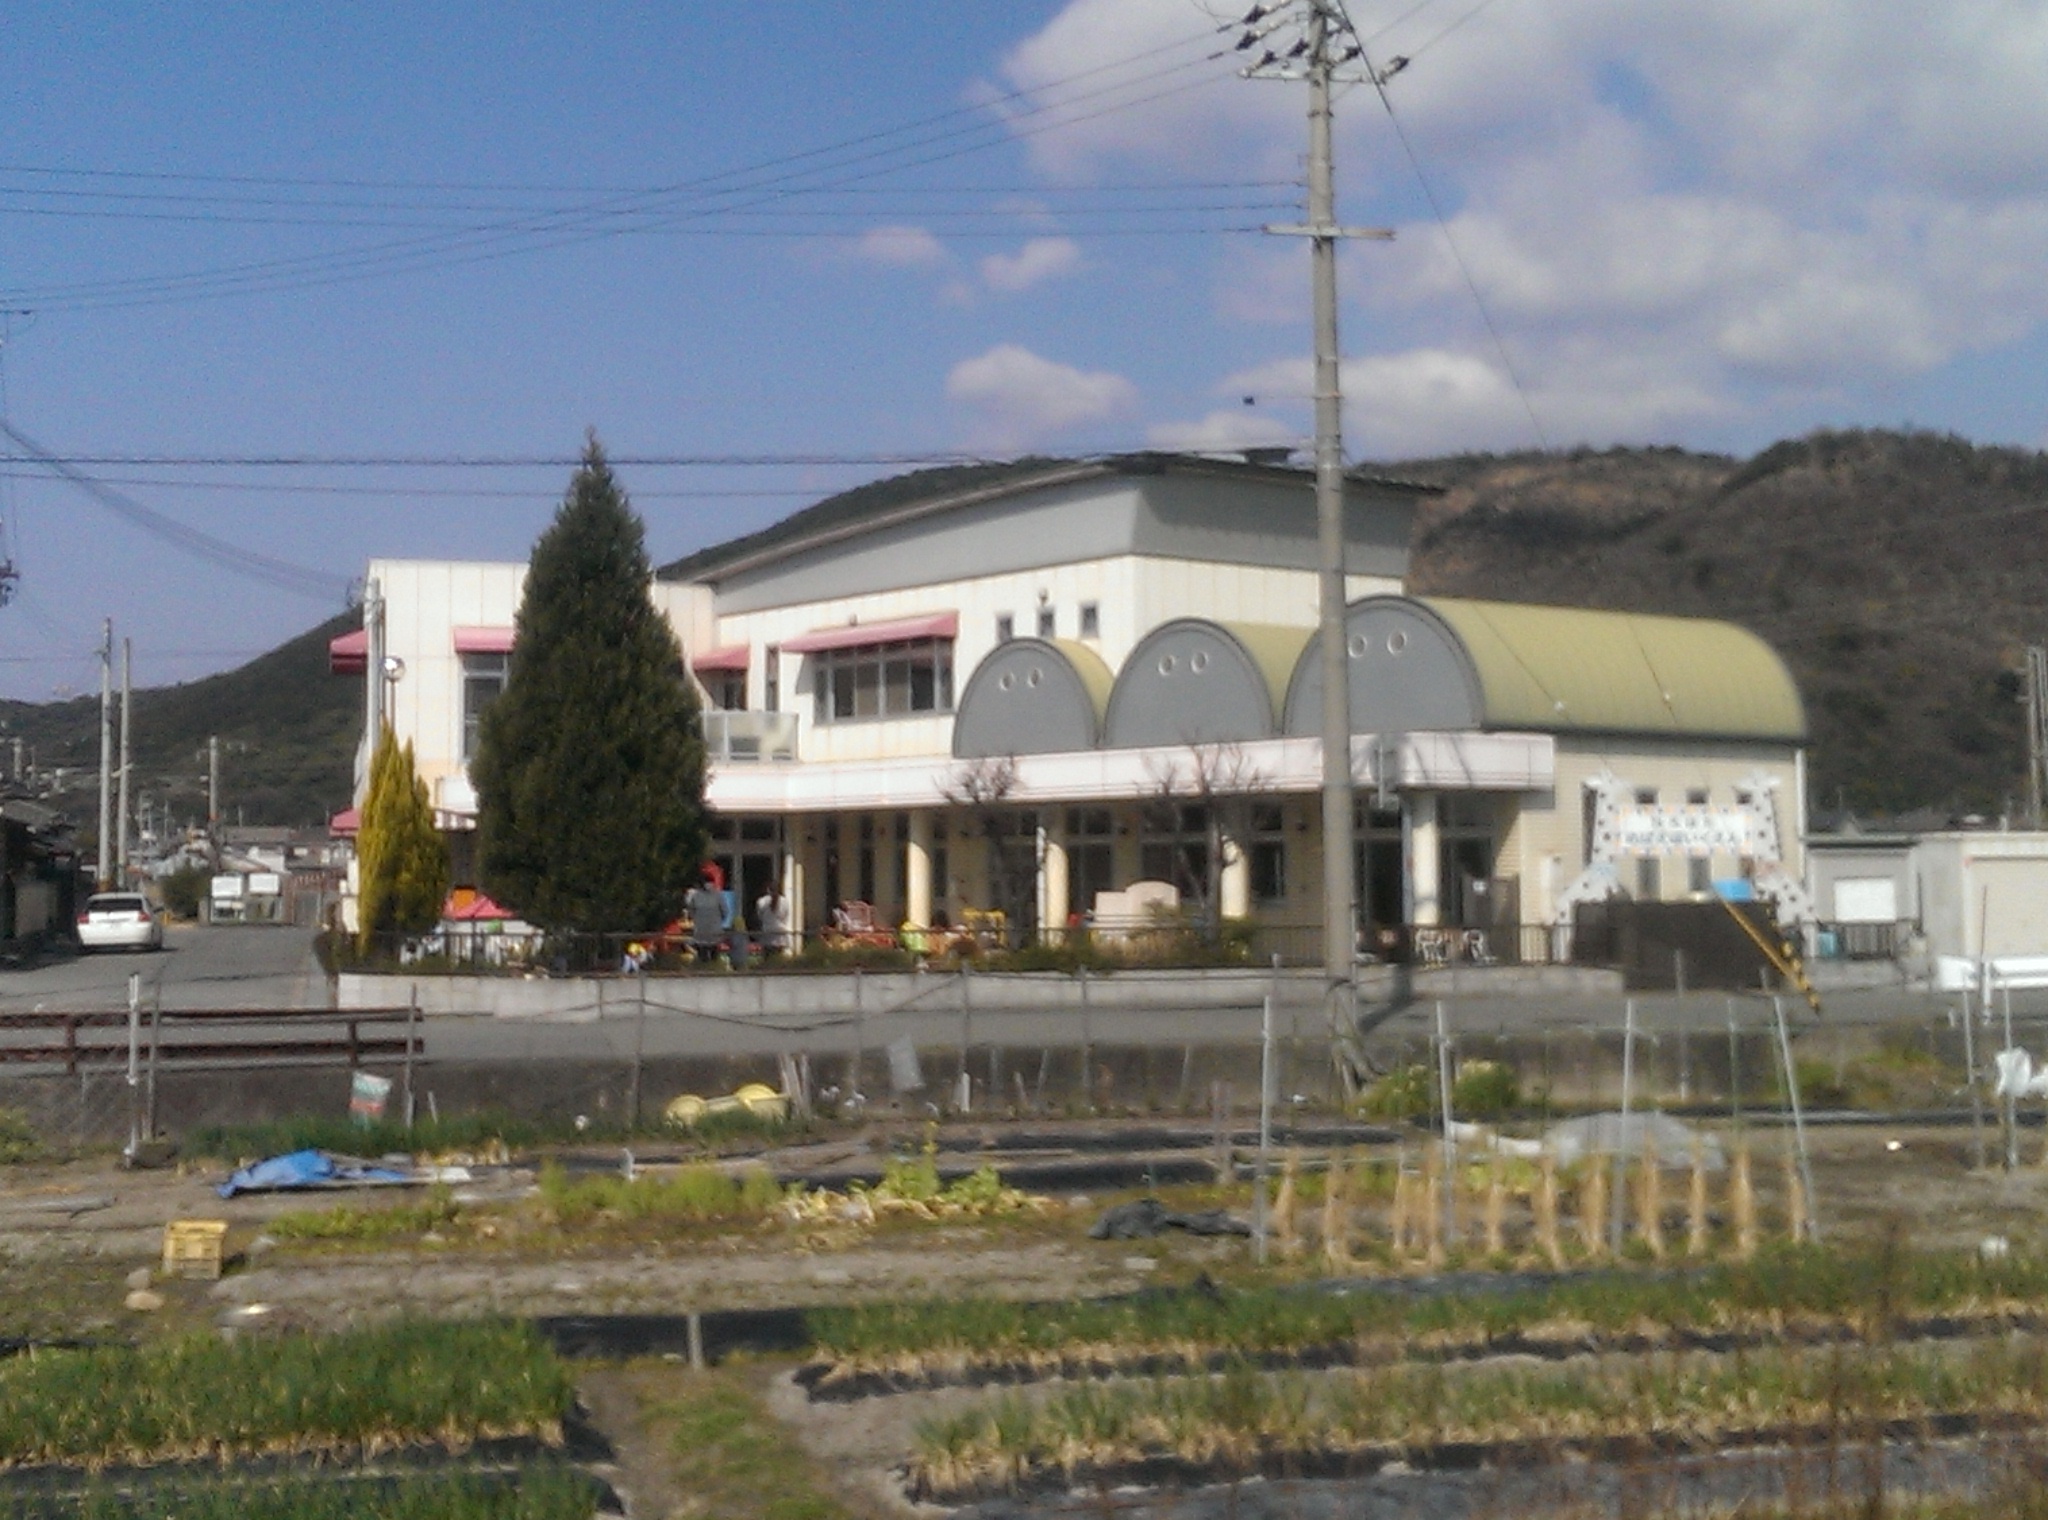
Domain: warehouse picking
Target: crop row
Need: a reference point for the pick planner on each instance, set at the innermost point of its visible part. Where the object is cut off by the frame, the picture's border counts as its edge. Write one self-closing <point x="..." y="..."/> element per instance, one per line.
<point x="1806" y="1287"/>
<point x="371" y="1389"/>
<point x="541" y="1491"/>
<point x="1234" y="1419"/>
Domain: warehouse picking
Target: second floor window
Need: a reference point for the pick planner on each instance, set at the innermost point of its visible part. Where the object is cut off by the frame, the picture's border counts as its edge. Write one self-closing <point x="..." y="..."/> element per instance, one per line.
<point x="727" y="689"/>
<point x="483" y="678"/>
<point x="882" y="680"/>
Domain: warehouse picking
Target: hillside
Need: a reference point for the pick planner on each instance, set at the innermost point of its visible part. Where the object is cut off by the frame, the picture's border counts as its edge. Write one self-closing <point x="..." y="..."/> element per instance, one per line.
<point x="1899" y="574"/>
<point x="287" y="732"/>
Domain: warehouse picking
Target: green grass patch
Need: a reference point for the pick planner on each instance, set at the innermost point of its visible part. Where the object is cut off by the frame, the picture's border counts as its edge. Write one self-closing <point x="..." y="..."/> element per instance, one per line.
<point x="17" y="1141"/>
<point x="202" y="1396"/>
<point x="541" y="1491"/>
<point x="369" y="1226"/>
<point x="689" y="1194"/>
<point x="732" y="1458"/>
<point x="1860" y="1289"/>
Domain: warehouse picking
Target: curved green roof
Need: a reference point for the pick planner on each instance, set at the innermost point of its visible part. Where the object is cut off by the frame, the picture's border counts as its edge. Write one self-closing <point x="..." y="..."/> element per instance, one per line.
<point x="1274" y="648"/>
<point x="1566" y="668"/>
<point x="1089" y="668"/>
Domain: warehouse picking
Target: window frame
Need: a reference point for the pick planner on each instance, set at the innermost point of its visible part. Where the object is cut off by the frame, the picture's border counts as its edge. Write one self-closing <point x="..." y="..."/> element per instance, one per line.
<point x="866" y="683"/>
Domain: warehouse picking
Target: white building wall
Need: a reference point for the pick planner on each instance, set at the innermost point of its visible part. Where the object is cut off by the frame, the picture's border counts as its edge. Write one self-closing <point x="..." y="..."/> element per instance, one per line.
<point x="425" y="601"/>
<point x="1546" y="844"/>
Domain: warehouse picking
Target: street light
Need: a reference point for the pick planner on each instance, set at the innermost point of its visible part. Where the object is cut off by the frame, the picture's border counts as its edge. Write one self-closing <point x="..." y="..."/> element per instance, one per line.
<point x="394" y="672"/>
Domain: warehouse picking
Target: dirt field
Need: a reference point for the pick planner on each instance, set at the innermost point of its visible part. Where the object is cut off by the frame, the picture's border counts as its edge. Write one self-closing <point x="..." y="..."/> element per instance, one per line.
<point x="74" y="1237"/>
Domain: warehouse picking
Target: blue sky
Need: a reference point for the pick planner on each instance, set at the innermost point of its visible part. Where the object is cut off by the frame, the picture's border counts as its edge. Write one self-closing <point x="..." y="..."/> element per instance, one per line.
<point x="831" y="233"/>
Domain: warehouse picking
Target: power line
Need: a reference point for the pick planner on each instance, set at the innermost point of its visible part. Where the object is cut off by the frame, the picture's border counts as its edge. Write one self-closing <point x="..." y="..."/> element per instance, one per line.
<point x="203" y="546"/>
<point x="614" y="215"/>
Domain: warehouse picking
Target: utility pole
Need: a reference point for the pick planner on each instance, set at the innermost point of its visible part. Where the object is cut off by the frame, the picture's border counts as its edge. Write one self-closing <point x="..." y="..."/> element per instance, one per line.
<point x="121" y="805"/>
<point x="2037" y="729"/>
<point x="373" y="670"/>
<point x="104" y="870"/>
<point x="1313" y="57"/>
<point x="213" y="798"/>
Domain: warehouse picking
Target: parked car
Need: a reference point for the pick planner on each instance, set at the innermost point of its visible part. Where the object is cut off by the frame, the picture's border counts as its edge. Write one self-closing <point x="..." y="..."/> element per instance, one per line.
<point x="119" y="921"/>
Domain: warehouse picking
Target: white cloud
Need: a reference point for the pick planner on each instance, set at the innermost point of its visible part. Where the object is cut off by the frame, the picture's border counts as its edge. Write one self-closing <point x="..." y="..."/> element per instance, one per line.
<point x="1675" y="214"/>
<point x="1044" y="258"/>
<point x="1222" y="432"/>
<point x="900" y="247"/>
<point x="1021" y="399"/>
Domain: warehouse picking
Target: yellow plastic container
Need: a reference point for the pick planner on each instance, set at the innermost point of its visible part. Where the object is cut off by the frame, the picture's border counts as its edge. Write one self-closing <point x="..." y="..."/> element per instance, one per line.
<point x="193" y="1247"/>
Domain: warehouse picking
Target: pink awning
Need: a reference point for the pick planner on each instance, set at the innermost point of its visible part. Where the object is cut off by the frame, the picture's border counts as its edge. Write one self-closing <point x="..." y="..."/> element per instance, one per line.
<point x="732" y="657"/>
<point x="345" y="824"/>
<point x="937" y="625"/>
<point x="477" y="909"/>
<point x="349" y="654"/>
<point x="470" y="640"/>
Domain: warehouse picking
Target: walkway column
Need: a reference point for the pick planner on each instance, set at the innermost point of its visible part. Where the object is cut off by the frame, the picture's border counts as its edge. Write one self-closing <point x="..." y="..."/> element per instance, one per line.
<point x="917" y="870"/>
<point x="1425" y="860"/>
<point x="1236" y="884"/>
<point x="1052" y="876"/>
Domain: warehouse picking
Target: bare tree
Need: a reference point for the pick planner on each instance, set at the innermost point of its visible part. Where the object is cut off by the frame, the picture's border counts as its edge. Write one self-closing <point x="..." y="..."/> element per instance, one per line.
<point x="981" y="789"/>
<point x="1224" y="782"/>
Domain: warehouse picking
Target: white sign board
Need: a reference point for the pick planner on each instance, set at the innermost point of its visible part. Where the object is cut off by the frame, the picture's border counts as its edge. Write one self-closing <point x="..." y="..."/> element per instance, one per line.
<point x="1866" y="900"/>
<point x="226" y="888"/>
<point x="1689" y="830"/>
<point x="265" y="884"/>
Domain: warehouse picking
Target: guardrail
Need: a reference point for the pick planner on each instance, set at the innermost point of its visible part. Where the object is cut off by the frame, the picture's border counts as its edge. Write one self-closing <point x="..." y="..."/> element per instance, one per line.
<point x="192" y="1037"/>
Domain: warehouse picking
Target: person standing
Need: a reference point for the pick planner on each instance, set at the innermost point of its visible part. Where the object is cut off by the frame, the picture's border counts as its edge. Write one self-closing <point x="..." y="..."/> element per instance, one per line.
<point x="771" y="911"/>
<point x="707" y="919"/>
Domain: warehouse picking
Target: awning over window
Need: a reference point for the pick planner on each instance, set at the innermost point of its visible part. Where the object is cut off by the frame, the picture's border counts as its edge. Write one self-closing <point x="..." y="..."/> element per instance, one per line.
<point x="471" y="640"/>
<point x="349" y="654"/>
<point x="937" y="625"/>
<point x="732" y="657"/>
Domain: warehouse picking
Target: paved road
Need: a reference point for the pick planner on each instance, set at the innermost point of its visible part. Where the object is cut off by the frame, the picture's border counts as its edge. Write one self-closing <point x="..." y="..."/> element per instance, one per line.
<point x="227" y="967"/>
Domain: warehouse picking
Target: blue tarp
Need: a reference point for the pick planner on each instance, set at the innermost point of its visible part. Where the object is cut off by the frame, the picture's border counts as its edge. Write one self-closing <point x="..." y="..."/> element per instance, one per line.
<point x="304" y="1169"/>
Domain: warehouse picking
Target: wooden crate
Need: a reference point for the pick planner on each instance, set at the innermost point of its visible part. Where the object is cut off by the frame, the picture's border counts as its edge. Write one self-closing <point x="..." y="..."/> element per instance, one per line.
<point x="192" y="1247"/>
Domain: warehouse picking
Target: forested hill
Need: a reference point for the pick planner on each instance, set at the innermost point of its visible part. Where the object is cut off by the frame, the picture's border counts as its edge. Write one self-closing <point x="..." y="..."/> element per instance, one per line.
<point x="287" y="732"/>
<point x="1899" y="574"/>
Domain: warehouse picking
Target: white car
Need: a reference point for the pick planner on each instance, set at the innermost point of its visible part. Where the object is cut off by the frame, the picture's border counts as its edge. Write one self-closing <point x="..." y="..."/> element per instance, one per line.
<point x="119" y="921"/>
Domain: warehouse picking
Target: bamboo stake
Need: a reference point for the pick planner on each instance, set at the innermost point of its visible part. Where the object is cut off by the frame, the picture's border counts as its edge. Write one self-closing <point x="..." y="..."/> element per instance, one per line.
<point x="1795" y="1201"/>
<point x="1432" y="1215"/>
<point x="1397" y="1214"/>
<point x="1650" y="1201"/>
<point x="1742" y="1204"/>
<point x="1284" y="1234"/>
<point x="1336" y="1233"/>
<point x="1546" y="1213"/>
<point x="1496" y="1207"/>
<point x="1696" y="1204"/>
<point x="1593" y="1208"/>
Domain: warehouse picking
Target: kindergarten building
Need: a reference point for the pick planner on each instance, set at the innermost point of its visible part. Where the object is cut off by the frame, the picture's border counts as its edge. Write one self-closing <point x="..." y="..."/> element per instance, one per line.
<point x="1033" y="687"/>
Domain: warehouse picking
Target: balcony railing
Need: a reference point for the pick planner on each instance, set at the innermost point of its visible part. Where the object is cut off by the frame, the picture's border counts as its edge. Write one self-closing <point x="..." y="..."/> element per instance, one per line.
<point x="743" y="737"/>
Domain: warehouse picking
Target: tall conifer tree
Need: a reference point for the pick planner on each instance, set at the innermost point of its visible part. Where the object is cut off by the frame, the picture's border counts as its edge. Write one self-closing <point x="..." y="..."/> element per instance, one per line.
<point x="401" y="858"/>
<point x="590" y="767"/>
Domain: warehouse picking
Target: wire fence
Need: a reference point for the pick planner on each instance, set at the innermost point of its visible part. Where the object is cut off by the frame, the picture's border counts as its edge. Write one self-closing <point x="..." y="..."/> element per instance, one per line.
<point x="617" y="1049"/>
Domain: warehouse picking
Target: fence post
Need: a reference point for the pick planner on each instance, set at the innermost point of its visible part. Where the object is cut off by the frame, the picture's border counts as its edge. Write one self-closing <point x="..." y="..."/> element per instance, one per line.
<point x="134" y="1065"/>
<point x="1970" y="1076"/>
<point x="2012" y="1117"/>
<point x="1259" y="1218"/>
<point x="412" y="1020"/>
<point x="860" y="1036"/>
<point x="1443" y="1082"/>
<point x="639" y="1049"/>
<point x="156" y="1036"/>
<point x="966" y="1037"/>
<point x="1798" y="1120"/>
<point x="1615" y="1220"/>
<point x="1087" y="1047"/>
